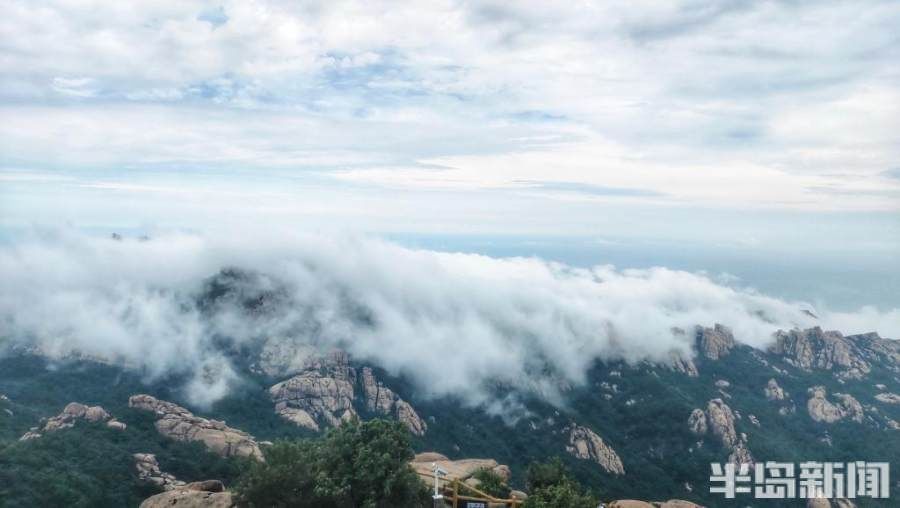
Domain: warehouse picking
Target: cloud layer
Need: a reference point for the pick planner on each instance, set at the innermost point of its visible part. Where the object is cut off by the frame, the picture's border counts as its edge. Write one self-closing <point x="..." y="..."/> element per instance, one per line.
<point x="761" y="104"/>
<point x="452" y="323"/>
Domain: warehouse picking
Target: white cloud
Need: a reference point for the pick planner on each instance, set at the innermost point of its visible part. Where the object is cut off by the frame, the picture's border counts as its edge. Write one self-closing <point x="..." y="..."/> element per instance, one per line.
<point x="753" y="105"/>
<point x="477" y="320"/>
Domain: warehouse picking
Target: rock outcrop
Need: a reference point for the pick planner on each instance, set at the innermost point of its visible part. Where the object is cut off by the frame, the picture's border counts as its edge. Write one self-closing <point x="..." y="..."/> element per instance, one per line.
<point x="205" y="494"/>
<point x="148" y="472"/>
<point x="718" y="419"/>
<point x="178" y="423"/>
<point x="325" y="394"/>
<point x="680" y="363"/>
<point x="774" y="392"/>
<point x="814" y="348"/>
<point x="585" y="444"/>
<point x="888" y="398"/>
<point x="461" y="469"/>
<point x="72" y="413"/>
<point x="820" y="409"/>
<point x="716" y="342"/>
<point x="697" y="422"/>
<point x="382" y="400"/>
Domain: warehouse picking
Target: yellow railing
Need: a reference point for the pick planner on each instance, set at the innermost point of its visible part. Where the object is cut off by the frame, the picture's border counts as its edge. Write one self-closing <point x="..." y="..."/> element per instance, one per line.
<point x="456" y="497"/>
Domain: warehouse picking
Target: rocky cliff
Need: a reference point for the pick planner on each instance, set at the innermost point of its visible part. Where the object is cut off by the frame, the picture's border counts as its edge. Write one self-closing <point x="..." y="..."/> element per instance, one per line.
<point x="329" y="390"/>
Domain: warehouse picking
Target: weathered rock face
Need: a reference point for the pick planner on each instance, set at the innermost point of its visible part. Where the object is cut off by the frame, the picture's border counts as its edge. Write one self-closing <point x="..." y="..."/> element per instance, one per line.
<point x="585" y="444"/>
<point x="888" y="398"/>
<point x="325" y="393"/>
<point x="683" y="364"/>
<point x="774" y="392"/>
<point x="382" y="400"/>
<point x="207" y="494"/>
<point x="461" y="469"/>
<point x="822" y="410"/>
<point x="817" y="349"/>
<point x="719" y="420"/>
<point x="740" y="454"/>
<point x="697" y="422"/>
<point x="148" y="472"/>
<point x="71" y="414"/>
<point x="180" y="424"/>
<point x="715" y="343"/>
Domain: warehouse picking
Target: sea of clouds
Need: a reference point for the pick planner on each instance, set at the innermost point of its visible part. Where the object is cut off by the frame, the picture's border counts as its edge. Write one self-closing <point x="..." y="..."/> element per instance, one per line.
<point x="452" y="323"/>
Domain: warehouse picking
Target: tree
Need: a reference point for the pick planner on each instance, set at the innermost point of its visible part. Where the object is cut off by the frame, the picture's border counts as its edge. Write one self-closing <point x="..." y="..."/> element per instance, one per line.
<point x="550" y="486"/>
<point x="362" y="465"/>
<point x="491" y="483"/>
<point x="545" y="474"/>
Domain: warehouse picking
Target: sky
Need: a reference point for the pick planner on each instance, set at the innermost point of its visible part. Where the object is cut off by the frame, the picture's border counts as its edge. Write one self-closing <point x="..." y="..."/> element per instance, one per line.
<point x="754" y="138"/>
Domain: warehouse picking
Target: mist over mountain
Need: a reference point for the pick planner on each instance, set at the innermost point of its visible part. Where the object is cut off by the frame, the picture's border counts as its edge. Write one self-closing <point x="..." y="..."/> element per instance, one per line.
<point x="452" y="323"/>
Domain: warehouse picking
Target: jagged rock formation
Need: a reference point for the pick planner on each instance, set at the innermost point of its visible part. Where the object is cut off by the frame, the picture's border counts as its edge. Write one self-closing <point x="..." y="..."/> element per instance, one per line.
<point x="774" y="392"/>
<point x="697" y="422"/>
<point x="585" y="444"/>
<point x="719" y="419"/>
<point x="461" y="469"/>
<point x="822" y="410"/>
<point x="715" y="343"/>
<point x="325" y="394"/>
<point x="205" y="494"/>
<point x="814" y="348"/>
<point x="685" y="365"/>
<point x="888" y="398"/>
<point x="180" y="424"/>
<point x="71" y="414"/>
<point x="740" y="454"/>
<point x="148" y="472"/>
<point x="382" y="400"/>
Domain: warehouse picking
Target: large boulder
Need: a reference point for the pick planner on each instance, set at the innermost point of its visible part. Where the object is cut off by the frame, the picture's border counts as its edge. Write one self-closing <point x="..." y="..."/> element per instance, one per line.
<point x="773" y="391"/>
<point x="192" y="495"/>
<point x="462" y="469"/>
<point x="72" y="413"/>
<point x="718" y="419"/>
<point x="178" y="423"/>
<point x="820" y="409"/>
<point x="148" y="472"/>
<point x="585" y="444"/>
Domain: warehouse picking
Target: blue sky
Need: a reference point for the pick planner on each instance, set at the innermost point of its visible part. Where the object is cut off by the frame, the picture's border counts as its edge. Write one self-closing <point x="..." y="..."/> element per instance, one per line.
<point x="761" y="127"/>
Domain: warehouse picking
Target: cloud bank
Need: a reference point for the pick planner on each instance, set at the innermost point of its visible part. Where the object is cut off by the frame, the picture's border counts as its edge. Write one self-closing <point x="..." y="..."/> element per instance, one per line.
<point x="452" y="323"/>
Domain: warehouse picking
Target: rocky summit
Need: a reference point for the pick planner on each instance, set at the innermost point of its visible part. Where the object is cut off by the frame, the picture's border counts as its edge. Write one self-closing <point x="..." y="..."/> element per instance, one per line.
<point x="632" y="432"/>
<point x="328" y="390"/>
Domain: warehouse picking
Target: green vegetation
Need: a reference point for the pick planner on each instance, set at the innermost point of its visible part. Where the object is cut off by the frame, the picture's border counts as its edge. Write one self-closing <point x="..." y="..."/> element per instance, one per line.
<point x="551" y="486"/>
<point x="491" y="483"/>
<point x="91" y="465"/>
<point x="355" y="465"/>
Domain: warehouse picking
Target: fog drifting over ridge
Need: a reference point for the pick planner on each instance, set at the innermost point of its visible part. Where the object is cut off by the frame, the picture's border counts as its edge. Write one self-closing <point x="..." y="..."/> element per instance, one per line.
<point x="452" y="323"/>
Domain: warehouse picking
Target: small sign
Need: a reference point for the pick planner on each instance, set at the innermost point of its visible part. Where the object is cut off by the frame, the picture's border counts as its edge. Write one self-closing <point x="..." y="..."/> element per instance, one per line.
<point x="473" y="504"/>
